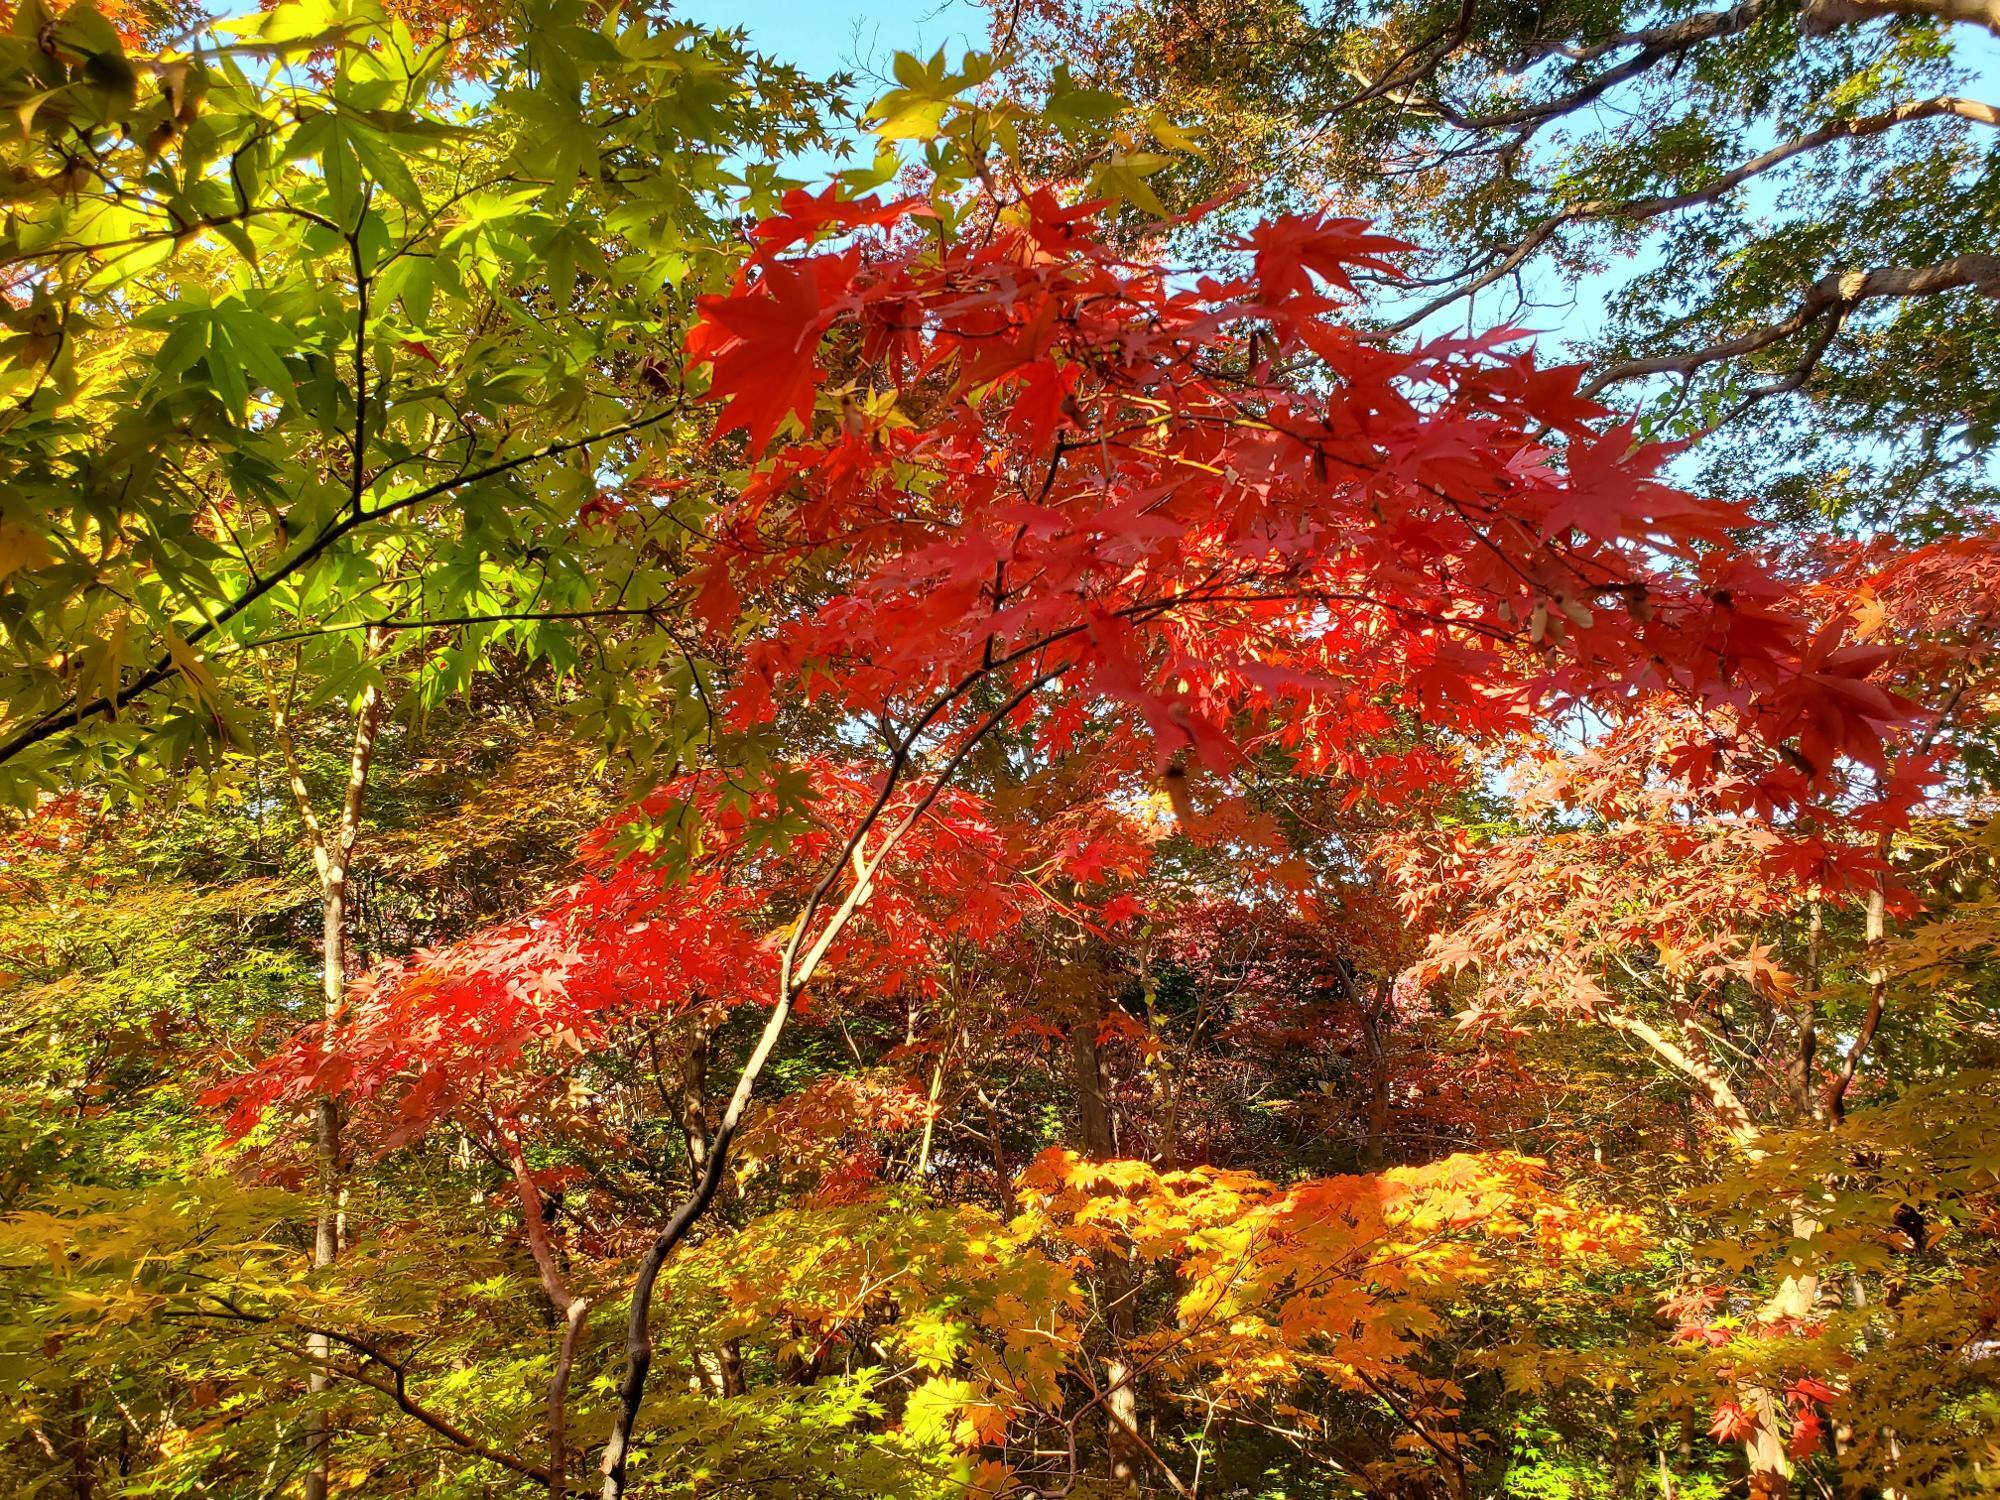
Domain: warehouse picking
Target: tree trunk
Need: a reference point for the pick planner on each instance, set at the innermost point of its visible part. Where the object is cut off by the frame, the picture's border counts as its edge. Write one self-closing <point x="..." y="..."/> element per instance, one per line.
<point x="1764" y="1449"/>
<point x="326" y="1151"/>
<point x="996" y="1145"/>
<point x="930" y="1116"/>
<point x="1094" y="1133"/>
<point x="1876" y="935"/>
<point x="575" y="1310"/>
<point x="1097" y="1140"/>
<point x="1161" y="1072"/>
<point x="79" y="1445"/>
<point x="1805" y="1098"/>
<point x="333" y="856"/>
<point x="1375" y="1142"/>
<point x="1375" y="1133"/>
<point x="694" y="1096"/>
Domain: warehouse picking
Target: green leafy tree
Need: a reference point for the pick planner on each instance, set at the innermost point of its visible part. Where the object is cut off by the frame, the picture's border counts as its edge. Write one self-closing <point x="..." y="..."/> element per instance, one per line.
<point x="1772" y="219"/>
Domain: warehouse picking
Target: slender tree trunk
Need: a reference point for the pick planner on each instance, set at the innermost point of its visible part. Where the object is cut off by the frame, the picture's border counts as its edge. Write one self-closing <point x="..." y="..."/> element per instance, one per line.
<point x="1119" y="1286"/>
<point x="575" y="1319"/>
<point x="930" y="1117"/>
<point x="1805" y="1098"/>
<point x="996" y="1144"/>
<point x="1093" y="1104"/>
<point x="694" y="1096"/>
<point x="1375" y="1135"/>
<point x="575" y="1310"/>
<point x="720" y="1370"/>
<point x="1375" y="1143"/>
<point x="326" y="1152"/>
<point x="1161" y="1073"/>
<point x="1726" y="1104"/>
<point x="333" y="855"/>
<point x="1764" y="1449"/>
<point x="799" y="961"/>
<point x="1121" y="1406"/>
<point x="1877" y="933"/>
<point x="79" y="1445"/>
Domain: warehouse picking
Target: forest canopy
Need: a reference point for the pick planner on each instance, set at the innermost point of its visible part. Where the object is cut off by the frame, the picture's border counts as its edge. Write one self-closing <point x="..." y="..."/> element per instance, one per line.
<point x="1225" y="749"/>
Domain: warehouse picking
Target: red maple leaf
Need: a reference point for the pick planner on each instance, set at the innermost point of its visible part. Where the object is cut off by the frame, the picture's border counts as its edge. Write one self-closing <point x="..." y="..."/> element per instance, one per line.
<point x="760" y="343"/>
<point x="1287" y="248"/>
<point x="802" y="215"/>
<point x="1807" y="1433"/>
<point x="1733" y="1423"/>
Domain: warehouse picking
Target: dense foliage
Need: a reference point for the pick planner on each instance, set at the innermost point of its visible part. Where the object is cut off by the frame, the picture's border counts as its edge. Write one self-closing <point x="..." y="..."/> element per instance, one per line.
<point x="1774" y="214"/>
<point x="964" y="830"/>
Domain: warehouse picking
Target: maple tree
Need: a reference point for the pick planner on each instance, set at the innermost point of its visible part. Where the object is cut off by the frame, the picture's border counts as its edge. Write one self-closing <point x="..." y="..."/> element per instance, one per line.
<point x="921" y="834"/>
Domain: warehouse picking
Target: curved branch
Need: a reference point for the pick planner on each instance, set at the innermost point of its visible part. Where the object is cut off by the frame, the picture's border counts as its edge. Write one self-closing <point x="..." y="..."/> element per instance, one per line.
<point x="573" y="1308"/>
<point x="1820" y="16"/>
<point x="1876" y="936"/>
<point x="1640" y="209"/>
<point x="1682" y="33"/>
<point x="1409" y="65"/>
<point x="1835" y="294"/>
<point x="639" y="1339"/>
<point x="395" y="1385"/>
<point x="1655" y="46"/>
<point x="1722" y="1096"/>
<point x="71" y="712"/>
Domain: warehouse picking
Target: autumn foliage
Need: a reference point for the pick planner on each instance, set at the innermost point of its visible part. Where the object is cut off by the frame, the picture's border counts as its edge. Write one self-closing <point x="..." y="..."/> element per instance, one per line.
<point x="939" y="835"/>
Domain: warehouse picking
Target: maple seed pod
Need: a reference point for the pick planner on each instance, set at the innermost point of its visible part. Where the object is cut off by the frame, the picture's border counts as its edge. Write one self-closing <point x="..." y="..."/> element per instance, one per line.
<point x="1577" y="611"/>
<point x="1538" y="621"/>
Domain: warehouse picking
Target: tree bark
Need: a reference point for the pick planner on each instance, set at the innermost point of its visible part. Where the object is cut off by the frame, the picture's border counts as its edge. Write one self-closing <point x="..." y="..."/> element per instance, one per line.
<point x="1819" y="16"/>
<point x="575" y="1311"/>
<point x="1805" y="1098"/>
<point x="1877" y="932"/>
<point x="1722" y="1097"/>
<point x="79" y="1446"/>
<point x="1097" y="1139"/>
<point x="1375" y="1143"/>
<point x="1375" y="1137"/>
<point x="996" y="1145"/>
<point x="694" y="1095"/>
<point x="333" y="855"/>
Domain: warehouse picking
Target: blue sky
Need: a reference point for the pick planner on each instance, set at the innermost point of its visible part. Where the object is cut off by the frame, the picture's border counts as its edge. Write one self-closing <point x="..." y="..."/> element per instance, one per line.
<point x="828" y="36"/>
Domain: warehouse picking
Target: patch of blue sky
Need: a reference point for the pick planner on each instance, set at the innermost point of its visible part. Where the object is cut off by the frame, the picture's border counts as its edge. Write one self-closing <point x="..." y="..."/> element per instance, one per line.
<point x="857" y="38"/>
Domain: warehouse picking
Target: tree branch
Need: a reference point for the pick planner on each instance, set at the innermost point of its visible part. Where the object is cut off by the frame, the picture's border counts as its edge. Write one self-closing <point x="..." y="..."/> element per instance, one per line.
<point x="71" y="712"/>
<point x="1637" y="210"/>
<point x="1818" y="17"/>
<point x="1835" y="294"/>
<point x="1722" y="1096"/>
<point x="639" y="1342"/>
<point x="1655" y="45"/>
<point x="395" y="1386"/>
